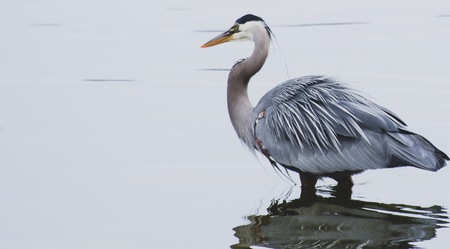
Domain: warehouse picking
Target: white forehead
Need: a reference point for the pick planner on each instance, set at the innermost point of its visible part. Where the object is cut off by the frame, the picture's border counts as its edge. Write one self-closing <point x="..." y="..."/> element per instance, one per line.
<point x="249" y="29"/>
<point x="251" y="25"/>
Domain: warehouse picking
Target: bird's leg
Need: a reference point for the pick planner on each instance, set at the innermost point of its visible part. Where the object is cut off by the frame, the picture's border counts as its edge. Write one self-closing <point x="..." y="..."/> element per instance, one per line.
<point x="308" y="181"/>
<point x="344" y="180"/>
<point x="343" y="190"/>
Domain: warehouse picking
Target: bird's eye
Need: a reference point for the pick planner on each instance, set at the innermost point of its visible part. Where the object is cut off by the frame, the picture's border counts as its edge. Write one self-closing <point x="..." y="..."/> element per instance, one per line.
<point x="235" y="28"/>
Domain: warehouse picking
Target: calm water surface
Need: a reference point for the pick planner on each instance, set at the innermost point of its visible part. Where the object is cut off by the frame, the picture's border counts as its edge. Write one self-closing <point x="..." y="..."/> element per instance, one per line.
<point x="114" y="131"/>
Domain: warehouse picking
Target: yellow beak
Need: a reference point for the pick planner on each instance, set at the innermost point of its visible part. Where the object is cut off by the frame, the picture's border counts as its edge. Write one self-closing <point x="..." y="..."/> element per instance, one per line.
<point x="222" y="38"/>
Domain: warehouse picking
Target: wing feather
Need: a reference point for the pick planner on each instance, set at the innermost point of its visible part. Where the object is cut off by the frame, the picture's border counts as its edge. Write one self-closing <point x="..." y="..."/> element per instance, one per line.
<point x="319" y="125"/>
<point x="314" y="111"/>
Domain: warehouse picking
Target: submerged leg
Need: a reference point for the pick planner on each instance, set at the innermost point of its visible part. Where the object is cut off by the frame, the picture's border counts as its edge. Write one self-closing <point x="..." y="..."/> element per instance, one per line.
<point x="343" y="190"/>
<point x="343" y="179"/>
<point x="308" y="180"/>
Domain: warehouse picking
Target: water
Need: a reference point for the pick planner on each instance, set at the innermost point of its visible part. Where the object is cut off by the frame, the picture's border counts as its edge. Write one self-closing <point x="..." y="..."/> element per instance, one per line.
<point x="114" y="130"/>
<point x="336" y="222"/>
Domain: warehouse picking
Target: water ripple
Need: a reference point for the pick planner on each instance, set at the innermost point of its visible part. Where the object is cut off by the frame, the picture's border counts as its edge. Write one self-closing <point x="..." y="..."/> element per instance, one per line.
<point x="322" y="24"/>
<point x="334" y="222"/>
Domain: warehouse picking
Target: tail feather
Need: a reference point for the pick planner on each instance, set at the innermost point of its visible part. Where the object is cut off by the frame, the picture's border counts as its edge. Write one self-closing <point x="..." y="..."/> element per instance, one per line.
<point x="410" y="149"/>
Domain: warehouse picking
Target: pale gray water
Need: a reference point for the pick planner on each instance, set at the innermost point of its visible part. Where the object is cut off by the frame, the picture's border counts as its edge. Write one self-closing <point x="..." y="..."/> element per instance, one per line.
<point x="114" y="131"/>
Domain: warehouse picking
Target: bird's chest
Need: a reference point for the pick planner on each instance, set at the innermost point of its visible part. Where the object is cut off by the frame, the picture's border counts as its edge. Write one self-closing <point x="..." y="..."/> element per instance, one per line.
<point x="259" y="137"/>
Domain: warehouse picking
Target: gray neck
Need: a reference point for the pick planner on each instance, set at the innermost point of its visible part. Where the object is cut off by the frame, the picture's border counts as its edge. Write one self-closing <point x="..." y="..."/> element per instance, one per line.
<point x="239" y="106"/>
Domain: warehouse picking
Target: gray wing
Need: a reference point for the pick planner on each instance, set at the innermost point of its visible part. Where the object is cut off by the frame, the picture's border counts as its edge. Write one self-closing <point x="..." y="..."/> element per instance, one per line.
<point x="317" y="125"/>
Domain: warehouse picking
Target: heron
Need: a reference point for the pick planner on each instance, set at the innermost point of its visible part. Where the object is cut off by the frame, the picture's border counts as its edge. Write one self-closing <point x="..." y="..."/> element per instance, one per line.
<point x="316" y="125"/>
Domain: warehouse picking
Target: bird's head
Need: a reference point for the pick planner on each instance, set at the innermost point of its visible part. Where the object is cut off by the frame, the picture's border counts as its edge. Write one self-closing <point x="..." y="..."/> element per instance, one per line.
<point x="244" y="29"/>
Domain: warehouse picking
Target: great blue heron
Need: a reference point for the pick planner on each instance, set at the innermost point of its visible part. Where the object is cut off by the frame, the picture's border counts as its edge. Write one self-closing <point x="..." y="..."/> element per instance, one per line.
<point x="315" y="125"/>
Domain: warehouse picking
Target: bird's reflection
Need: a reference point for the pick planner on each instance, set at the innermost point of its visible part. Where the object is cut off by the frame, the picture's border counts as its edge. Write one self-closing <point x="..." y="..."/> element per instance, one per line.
<point x="315" y="221"/>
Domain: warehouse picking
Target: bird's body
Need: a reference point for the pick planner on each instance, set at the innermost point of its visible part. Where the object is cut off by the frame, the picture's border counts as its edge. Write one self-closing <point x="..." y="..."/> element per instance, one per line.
<point x="315" y="125"/>
<point x="332" y="128"/>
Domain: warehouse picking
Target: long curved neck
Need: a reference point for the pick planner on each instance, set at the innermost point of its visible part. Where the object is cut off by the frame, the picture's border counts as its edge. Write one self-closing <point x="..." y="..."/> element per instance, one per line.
<point x="239" y="106"/>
